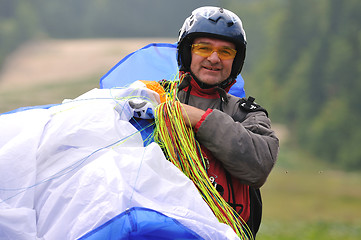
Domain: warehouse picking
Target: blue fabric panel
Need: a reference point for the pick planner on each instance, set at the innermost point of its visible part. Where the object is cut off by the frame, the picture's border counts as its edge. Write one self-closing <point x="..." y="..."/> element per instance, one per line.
<point x="146" y="129"/>
<point x="154" y="62"/>
<point x="141" y="223"/>
<point x="238" y="88"/>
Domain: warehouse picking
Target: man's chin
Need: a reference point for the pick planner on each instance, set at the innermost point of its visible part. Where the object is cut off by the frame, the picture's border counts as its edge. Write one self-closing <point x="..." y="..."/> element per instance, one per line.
<point x="211" y="80"/>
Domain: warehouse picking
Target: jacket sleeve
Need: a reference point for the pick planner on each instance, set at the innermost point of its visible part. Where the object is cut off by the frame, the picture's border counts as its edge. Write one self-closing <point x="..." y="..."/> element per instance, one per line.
<point x="247" y="149"/>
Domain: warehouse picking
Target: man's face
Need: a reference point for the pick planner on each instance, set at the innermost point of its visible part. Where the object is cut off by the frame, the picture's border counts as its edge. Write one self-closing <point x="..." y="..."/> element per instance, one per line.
<point x="211" y="70"/>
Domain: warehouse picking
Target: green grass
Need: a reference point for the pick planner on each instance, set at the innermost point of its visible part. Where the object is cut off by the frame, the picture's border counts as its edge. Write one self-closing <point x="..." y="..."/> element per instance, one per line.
<point x="303" y="198"/>
<point x="311" y="230"/>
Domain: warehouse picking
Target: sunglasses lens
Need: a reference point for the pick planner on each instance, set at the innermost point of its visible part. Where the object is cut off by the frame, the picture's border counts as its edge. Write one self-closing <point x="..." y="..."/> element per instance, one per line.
<point x="226" y="53"/>
<point x="202" y="50"/>
<point x="206" y="50"/>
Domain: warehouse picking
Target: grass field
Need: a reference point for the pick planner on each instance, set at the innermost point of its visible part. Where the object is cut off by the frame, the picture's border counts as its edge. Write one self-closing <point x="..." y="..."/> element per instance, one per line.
<point x="306" y="199"/>
<point x="303" y="198"/>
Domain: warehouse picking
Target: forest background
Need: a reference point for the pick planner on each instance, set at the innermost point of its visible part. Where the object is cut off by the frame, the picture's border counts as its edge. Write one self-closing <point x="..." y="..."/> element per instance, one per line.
<point x="303" y="65"/>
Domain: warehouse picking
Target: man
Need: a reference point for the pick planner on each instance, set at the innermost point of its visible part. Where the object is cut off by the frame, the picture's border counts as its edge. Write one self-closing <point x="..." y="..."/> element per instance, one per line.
<point x="235" y="134"/>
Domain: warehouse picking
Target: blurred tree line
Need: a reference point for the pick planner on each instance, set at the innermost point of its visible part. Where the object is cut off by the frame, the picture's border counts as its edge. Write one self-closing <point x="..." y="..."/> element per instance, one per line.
<point x="21" y="20"/>
<point x="303" y="59"/>
<point x="308" y="73"/>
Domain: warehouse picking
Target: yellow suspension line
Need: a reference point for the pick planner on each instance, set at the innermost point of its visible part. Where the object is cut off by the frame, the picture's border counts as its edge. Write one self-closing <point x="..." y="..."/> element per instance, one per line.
<point x="180" y="147"/>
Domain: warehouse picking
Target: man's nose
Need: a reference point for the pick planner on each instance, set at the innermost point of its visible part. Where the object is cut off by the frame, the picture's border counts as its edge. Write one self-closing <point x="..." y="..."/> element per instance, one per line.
<point x="214" y="57"/>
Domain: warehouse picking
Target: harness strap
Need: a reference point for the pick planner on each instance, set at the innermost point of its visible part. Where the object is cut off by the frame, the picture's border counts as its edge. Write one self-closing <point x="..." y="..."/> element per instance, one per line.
<point x="233" y="204"/>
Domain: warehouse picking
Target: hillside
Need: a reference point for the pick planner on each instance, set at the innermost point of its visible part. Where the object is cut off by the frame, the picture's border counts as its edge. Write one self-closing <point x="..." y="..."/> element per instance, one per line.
<point x="49" y="61"/>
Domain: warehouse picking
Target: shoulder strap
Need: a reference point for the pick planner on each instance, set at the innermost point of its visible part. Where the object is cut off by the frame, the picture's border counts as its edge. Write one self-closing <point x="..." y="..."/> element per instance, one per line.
<point x="250" y="106"/>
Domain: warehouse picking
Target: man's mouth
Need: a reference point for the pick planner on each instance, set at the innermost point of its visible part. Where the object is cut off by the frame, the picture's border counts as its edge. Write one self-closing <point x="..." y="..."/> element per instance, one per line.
<point x="211" y="68"/>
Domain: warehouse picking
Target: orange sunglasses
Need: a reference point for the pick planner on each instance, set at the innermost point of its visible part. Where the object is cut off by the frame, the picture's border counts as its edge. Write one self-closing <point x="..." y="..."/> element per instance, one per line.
<point x="206" y="50"/>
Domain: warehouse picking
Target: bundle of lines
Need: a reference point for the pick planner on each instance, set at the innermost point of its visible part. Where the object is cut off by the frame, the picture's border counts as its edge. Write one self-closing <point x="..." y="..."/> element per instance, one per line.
<point x="182" y="149"/>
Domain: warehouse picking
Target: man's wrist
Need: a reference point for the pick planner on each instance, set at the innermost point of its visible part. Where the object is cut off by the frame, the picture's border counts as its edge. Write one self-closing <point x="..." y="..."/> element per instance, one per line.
<point x="199" y="123"/>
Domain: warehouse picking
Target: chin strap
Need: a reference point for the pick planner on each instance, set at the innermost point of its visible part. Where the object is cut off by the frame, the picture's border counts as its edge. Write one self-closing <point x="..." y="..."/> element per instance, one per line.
<point x="186" y="81"/>
<point x="227" y="83"/>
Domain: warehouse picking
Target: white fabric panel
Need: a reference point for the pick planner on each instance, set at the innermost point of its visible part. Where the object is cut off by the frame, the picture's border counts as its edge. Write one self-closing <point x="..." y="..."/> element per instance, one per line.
<point x="70" y="168"/>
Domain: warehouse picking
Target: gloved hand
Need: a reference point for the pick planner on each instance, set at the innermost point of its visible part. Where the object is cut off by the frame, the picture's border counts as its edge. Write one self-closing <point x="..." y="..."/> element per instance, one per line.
<point x="142" y="109"/>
